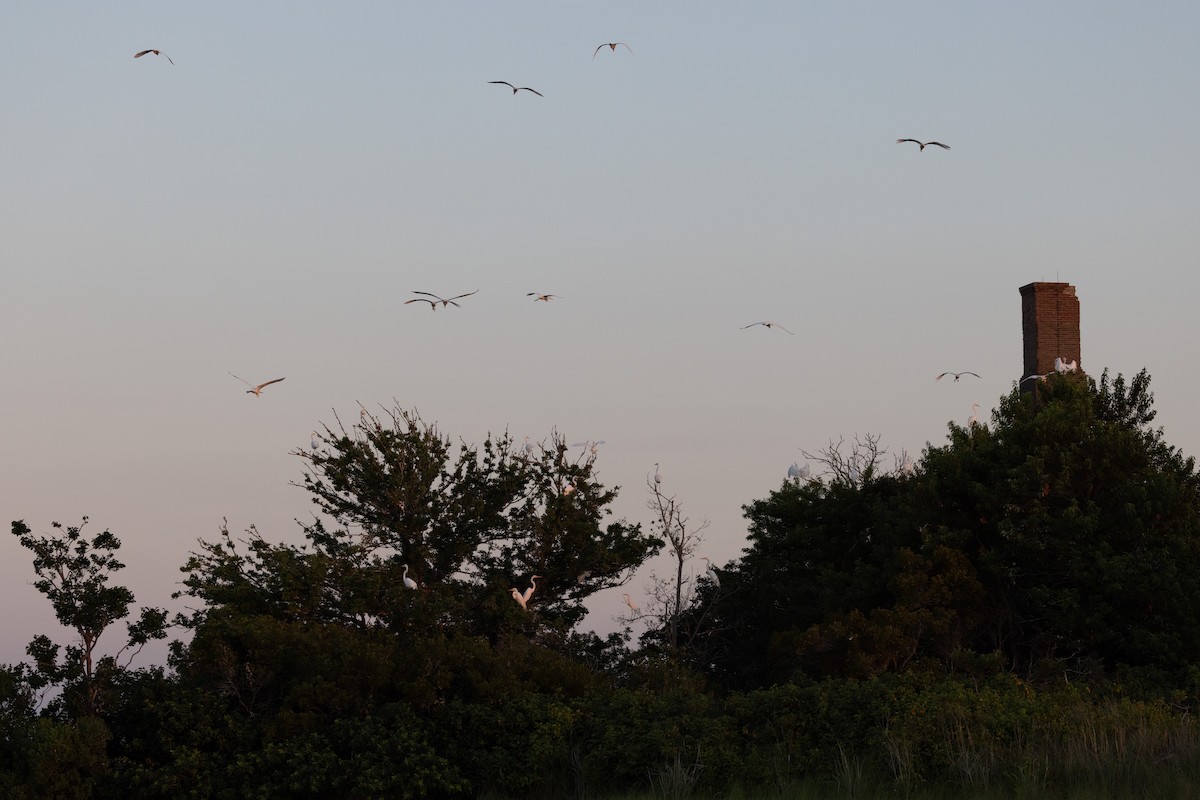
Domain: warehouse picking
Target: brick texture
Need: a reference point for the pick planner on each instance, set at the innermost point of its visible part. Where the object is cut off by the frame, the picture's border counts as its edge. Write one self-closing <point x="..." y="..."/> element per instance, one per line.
<point x="1049" y="327"/>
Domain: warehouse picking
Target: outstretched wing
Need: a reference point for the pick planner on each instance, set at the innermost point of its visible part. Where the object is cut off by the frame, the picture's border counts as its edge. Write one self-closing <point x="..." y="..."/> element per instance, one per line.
<point x="268" y="383"/>
<point x="914" y="141"/>
<point x="598" y="49"/>
<point x="527" y="89"/>
<point x="243" y="380"/>
<point x="939" y="144"/>
<point x="505" y="83"/>
<point x="976" y="374"/>
<point x="458" y="296"/>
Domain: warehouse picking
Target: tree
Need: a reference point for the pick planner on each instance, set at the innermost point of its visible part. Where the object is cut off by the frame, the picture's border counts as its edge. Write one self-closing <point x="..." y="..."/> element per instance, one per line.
<point x="1057" y="535"/>
<point x="73" y="572"/>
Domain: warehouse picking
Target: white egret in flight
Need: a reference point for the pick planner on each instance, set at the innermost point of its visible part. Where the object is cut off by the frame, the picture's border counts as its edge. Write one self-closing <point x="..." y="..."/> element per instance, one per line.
<point x="956" y="375"/>
<point x="589" y="445"/>
<point x="768" y="325"/>
<point x="924" y="144"/>
<point x="519" y="88"/>
<point x="408" y="582"/>
<point x="797" y="471"/>
<point x="257" y="390"/>
<point x="164" y="55"/>
<point x="545" y="298"/>
<point x="1035" y="375"/>
<point x="1062" y="367"/>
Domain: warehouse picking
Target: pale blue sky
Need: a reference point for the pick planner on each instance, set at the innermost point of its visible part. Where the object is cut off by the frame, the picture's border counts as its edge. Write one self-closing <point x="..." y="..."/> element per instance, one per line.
<point x="267" y="204"/>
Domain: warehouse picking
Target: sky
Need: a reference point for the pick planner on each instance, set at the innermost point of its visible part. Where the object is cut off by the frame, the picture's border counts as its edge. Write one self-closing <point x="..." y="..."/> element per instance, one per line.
<point x="267" y="204"/>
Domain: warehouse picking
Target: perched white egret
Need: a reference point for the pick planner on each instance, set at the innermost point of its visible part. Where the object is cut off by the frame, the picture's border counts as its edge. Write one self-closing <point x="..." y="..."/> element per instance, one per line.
<point x="313" y="441"/>
<point x="1062" y="367"/>
<point x="657" y="477"/>
<point x="907" y="466"/>
<point x="629" y="602"/>
<point x="568" y="490"/>
<point x="974" y="420"/>
<point x="923" y="145"/>
<point x="528" y="448"/>
<point x="408" y="582"/>
<point x="956" y="375"/>
<point x="794" y="470"/>
<point x="257" y="390"/>
<point x="712" y="572"/>
<point x="523" y="598"/>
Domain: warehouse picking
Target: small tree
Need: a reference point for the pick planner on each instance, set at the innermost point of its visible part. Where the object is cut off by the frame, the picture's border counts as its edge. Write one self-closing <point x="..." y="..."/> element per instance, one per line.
<point x="73" y="571"/>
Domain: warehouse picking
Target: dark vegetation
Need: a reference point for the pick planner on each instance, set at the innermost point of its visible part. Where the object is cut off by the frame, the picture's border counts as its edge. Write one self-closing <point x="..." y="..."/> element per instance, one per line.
<point x="1016" y="614"/>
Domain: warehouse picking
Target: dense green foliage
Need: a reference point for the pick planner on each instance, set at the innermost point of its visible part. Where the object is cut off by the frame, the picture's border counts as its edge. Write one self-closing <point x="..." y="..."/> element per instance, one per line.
<point x="1016" y="611"/>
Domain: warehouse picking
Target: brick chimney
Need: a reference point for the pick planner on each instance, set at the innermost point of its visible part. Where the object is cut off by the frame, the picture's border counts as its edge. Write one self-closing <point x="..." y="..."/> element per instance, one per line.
<point x="1049" y="327"/>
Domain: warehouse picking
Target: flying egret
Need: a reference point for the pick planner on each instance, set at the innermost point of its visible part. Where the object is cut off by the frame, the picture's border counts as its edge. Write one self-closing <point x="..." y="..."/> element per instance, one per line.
<point x="545" y="298"/>
<point x="956" y="375"/>
<point x="408" y="582"/>
<point x="257" y="390"/>
<point x="798" y="472"/>
<point x="712" y="572"/>
<point x="923" y="144"/>
<point x="589" y="445"/>
<point x="768" y="325"/>
<point x="1062" y="367"/>
<point x="613" y="47"/>
<point x="164" y="55"/>
<point x="523" y="598"/>
<point x="1035" y="375"/>
<point x="629" y="602"/>
<point x="519" y="88"/>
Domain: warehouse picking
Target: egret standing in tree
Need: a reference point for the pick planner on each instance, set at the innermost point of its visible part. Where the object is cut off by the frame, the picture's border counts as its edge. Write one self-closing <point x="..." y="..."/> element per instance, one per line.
<point x="523" y="598"/>
<point x="408" y="582"/>
<point x="712" y="572"/>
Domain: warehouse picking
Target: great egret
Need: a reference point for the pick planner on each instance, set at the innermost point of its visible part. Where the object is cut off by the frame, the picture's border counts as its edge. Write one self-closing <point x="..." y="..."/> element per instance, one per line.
<point x="528" y="448"/>
<point x="974" y="420"/>
<point x="956" y="375"/>
<point x="569" y="489"/>
<point x="519" y="88"/>
<point x="923" y="144"/>
<point x="257" y="390"/>
<point x="1035" y="375"/>
<point x="613" y="47"/>
<point x="1062" y="367"/>
<point x="629" y="602"/>
<point x="712" y="572"/>
<point x="768" y="325"/>
<point x="408" y="582"/>
<point x="797" y="471"/>
<point x="523" y="598"/>
<point x="313" y="441"/>
<point x="657" y="477"/>
<point x="545" y="298"/>
<point x="164" y="55"/>
<point x="589" y="445"/>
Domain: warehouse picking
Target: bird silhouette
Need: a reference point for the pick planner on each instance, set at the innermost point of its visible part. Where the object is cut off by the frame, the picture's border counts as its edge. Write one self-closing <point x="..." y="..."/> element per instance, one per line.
<point x="768" y="325"/>
<point x="613" y="47"/>
<point x="545" y="298"/>
<point x="518" y="88"/>
<point x="257" y="390"/>
<point x="445" y="301"/>
<point x="923" y="144"/>
<point x="154" y="52"/>
<point x="956" y="375"/>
